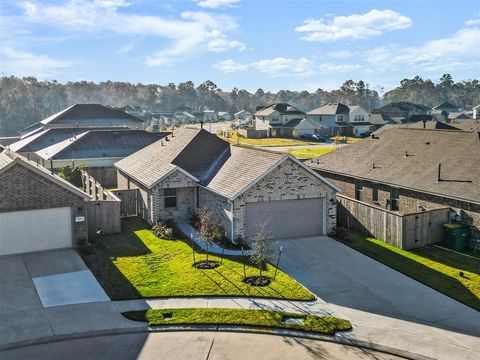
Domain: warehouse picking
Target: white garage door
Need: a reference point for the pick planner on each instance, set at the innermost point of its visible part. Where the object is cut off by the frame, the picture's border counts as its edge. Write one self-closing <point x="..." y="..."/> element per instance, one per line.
<point x="287" y="218"/>
<point x="35" y="230"/>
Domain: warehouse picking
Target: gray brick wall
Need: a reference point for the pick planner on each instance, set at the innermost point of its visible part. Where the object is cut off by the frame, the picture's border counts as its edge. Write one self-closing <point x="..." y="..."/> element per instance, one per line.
<point x="23" y="189"/>
<point x="288" y="181"/>
<point x="220" y="206"/>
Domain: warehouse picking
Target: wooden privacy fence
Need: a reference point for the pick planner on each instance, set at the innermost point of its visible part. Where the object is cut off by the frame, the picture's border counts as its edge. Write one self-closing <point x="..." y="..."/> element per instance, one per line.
<point x="130" y="199"/>
<point x="103" y="207"/>
<point x="405" y="231"/>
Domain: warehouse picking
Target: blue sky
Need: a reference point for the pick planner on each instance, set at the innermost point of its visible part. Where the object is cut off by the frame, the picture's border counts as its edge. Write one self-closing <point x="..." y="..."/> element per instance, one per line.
<point x="247" y="44"/>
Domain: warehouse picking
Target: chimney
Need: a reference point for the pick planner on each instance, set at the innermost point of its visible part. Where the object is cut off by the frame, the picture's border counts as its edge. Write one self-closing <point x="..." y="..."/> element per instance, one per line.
<point x="439" y="177"/>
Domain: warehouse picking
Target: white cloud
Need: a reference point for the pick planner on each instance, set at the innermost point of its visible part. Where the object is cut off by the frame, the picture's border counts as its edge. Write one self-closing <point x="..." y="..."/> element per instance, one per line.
<point x="353" y="27"/>
<point x="218" y="45"/>
<point x="338" y="68"/>
<point x="190" y="34"/>
<point x="216" y="4"/>
<point x="281" y="65"/>
<point x="22" y="63"/>
<point x="456" y="51"/>
<point x="230" y="66"/>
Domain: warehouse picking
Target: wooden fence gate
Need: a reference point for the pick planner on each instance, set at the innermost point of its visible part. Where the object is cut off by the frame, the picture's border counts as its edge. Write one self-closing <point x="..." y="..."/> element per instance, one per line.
<point x="130" y="202"/>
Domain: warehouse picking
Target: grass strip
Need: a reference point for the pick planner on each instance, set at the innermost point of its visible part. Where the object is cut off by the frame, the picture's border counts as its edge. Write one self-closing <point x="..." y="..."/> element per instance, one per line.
<point x="240" y="317"/>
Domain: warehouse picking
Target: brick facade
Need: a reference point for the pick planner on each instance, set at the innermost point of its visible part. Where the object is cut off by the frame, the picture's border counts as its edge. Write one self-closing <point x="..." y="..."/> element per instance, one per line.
<point x="289" y="181"/>
<point x="24" y="189"/>
<point x="220" y="206"/>
<point x="409" y="201"/>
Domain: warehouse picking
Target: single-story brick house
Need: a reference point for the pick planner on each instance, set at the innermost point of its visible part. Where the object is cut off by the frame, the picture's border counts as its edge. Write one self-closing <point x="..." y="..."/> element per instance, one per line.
<point x="242" y="186"/>
<point x="408" y="171"/>
<point x="38" y="210"/>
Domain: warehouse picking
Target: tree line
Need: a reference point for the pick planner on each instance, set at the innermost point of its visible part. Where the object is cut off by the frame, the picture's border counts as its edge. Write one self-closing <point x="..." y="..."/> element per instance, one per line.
<point x="24" y="101"/>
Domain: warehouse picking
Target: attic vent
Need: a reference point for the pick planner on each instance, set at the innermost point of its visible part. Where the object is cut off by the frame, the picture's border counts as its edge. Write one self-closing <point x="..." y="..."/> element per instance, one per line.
<point x="427" y="143"/>
<point x="407" y="154"/>
<point x="375" y="137"/>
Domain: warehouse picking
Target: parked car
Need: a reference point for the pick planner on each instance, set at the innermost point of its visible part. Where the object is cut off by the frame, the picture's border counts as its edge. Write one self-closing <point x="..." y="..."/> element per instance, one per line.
<point x="310" y="137"/>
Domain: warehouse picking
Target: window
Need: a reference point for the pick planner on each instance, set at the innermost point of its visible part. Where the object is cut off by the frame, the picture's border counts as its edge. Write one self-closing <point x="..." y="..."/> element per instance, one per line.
<point x="359" y="118"/>
<point x="170" y="198"/>
<point x="340" y="117"/>
<point x="375" y="194"/>
<point x="358" y="190"/>
<point x="394" y="200"/>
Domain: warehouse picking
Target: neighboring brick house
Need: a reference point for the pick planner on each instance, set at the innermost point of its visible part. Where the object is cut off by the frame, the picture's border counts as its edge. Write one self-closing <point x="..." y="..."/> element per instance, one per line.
<point x="410" y="171"/>
<point x="240" y="185"/>
<point x="38" y="210"/>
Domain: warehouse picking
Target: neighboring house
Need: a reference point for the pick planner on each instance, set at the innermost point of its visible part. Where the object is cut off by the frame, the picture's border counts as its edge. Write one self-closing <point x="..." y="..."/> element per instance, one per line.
<point x="340" y="119"/>
<point x="225" y="116"/>
<point x="62" y="130"/>
<point x="244" y="115"/>
<point x="275" y="116"/>
<point x="134" y="110"/>
<point x="97" y="150"/>
<point x="476" y="112"/>
<point x="185" y="117"/>
<point x="458" y="116"/>
<point x="210" y="115"/>
<point x="402" y="111"/>
<point x="408" y="180"/>
<point x="38" y="210"/>
<point x="85" y="116"/>
<point x="241" y="186"/>
<point x="446" y="107"/>
<point x="297" y="128"/>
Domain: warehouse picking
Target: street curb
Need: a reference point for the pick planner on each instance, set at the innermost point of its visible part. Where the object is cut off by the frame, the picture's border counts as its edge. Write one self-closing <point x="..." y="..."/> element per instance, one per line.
<point x="337" y="338"/>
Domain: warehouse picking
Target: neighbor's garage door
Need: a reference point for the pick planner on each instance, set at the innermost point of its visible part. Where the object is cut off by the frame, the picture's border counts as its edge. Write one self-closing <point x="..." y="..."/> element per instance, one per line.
<point x="287" y="218"/>
<point x="35" y="230"/>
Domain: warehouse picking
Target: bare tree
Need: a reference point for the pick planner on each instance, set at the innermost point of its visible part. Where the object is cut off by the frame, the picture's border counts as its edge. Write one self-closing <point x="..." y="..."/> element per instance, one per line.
<point x="261" y="247"/>
<point x="208" y="227"/>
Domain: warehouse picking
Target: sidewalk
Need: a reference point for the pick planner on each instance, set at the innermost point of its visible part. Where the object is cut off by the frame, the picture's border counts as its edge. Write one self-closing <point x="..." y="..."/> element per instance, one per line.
<point x="368" y="328"/>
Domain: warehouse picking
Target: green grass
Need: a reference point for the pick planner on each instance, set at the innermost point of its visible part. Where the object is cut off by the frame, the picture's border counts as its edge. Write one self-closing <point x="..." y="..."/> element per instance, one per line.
<point x="137" y="264"/>
<point x="234" y="139"/>
<point x="435" y="267"/>
<point x="309" y="153"/>
<point x="241" y="317"/>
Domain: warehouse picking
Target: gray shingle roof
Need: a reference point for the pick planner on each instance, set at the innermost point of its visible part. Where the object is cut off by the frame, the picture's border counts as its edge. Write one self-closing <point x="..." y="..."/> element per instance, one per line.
<point x="100" y="144"/>
<point x="457" y="151"/>
<point x="330" y="109"/>
<point x="242" y="168"/>
<point x="282" y="108"/>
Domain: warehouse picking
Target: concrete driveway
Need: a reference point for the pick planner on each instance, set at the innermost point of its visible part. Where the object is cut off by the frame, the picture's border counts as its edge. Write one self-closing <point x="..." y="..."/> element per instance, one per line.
<point x="361" y="286"/>
<point x="51" y="293"/>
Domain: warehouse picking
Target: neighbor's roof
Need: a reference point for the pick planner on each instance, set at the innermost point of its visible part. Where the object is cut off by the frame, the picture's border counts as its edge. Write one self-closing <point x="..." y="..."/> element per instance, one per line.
<point x="95" y="144"/>
<point x="330" y="109"/>
<point x="8" y="158"/>
<point x="282" y="108"/>
<point x="401" y="106"/>
<point x="457" y="151"/>
<point x="468" y="125"/>
<point x="445" y="105"/>
<point x="458" y="115"/>
<point x="84" y="112"/>
<point x="193" y="150"/>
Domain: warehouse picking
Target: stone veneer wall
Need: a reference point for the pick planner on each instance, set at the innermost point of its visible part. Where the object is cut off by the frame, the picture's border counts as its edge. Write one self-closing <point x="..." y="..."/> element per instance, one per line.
<point x="289" y="181"/>
<point x="24" y="189"/>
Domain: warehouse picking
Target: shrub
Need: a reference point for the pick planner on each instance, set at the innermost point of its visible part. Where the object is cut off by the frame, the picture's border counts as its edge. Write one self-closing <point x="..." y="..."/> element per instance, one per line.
<point x="162" y="230"/>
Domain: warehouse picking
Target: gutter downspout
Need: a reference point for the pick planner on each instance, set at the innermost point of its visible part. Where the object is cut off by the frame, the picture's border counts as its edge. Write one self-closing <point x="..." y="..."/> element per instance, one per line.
<point x="233" y="219"/>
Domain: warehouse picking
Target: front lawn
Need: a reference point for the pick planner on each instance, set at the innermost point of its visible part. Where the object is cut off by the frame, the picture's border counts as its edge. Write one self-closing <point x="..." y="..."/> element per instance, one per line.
<point x="309" y="153"/>
<point x="137" y="264"/>
<point x="241" y="317"/>
<point x="234" y="139"/>
<point x="435" y="267"/>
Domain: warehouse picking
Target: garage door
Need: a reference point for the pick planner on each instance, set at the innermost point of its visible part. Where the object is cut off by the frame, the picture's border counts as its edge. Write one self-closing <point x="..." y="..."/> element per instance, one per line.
<point x="35" y="230"/>
<point x="287" y="218"/>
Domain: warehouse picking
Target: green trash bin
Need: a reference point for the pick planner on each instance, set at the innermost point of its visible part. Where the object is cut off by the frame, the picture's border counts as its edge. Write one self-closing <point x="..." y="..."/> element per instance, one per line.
<point x="455" y="236"/>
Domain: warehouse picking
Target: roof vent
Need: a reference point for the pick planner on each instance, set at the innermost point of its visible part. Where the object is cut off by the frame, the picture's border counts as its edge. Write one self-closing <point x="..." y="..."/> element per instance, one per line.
<point x="427" y="143"/>
<point x="375" y="137"/>
<point x="161" y="142"/>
